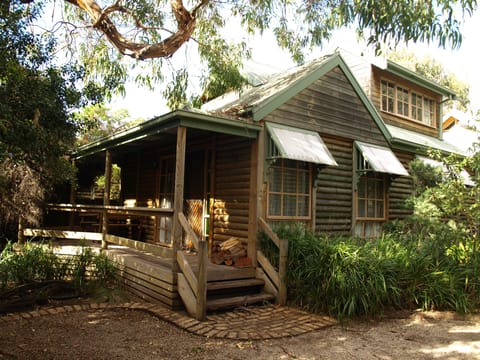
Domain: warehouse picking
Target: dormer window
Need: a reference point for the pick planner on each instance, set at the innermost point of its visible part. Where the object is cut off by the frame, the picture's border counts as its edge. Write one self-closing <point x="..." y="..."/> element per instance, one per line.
<point x="404" y="102"/>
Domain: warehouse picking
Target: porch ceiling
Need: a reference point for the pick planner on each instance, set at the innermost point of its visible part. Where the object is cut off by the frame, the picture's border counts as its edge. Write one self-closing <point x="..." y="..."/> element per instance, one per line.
<point x="163" y="129"/>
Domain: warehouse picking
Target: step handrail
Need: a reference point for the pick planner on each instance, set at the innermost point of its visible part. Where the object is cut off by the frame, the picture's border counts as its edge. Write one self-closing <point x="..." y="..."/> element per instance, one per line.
<point x="277" y="277"/>
<point x="197" y="284"/>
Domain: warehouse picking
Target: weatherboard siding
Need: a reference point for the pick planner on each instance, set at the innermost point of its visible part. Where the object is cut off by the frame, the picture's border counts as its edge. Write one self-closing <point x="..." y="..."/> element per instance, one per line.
<point x="330" y="106"/>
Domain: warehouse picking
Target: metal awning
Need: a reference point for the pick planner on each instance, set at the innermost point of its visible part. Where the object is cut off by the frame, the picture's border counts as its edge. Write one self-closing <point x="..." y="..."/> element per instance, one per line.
<point x="417" y="140"/>
<point x="467" y="179"/>
<point x="381" y="159"/>
<point x="298" y="144"/>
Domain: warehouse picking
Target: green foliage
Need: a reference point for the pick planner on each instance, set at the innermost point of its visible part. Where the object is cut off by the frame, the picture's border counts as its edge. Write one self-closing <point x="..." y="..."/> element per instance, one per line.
<point x="449" y="201"/>
<point x="97" y="121"/>
<point x="297" y="25"/>
<point x="115" y="183"/>
<point x="37" y="262"/>
<point x="429" y="259"/>
<point x="36" y="127"/>
<point x="347" y="277"/>
<point x="32" y="263"/>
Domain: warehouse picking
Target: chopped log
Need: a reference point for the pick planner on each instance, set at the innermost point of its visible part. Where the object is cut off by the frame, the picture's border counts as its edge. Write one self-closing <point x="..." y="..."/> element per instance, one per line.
<point x="230" y="243"/>
<point x="229" y="251"/>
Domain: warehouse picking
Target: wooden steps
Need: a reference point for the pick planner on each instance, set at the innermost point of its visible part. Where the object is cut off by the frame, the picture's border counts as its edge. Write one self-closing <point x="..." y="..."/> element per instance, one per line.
<point x="234" y="284"/>
<point x="227" y="294"/>
<point x="236" y="301"/>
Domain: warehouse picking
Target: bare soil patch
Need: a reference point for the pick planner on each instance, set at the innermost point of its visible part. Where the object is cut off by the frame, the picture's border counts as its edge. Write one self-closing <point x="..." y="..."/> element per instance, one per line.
<point x="131" y="334"/>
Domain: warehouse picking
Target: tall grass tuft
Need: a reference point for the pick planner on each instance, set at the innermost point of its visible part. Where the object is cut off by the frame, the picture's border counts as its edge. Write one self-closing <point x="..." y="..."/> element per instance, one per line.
<point x="348" y="277"/>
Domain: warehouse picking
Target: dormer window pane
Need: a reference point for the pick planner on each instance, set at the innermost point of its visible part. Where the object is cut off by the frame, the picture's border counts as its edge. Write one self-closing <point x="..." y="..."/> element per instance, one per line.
<point x="428" y="112"/>
<point x="402" y="101"/>
<point x="388" y="96"/>
<point x="417" y="107"/>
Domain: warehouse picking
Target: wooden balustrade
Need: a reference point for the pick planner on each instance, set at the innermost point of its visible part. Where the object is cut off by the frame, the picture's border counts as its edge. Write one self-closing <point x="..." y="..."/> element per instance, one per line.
<point x="276" y="279"/>
<point x="138" y="221"/>
<point x="192" y="288"/>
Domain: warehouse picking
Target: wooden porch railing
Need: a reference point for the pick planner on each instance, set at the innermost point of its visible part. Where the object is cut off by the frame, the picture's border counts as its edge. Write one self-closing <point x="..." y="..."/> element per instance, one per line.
<point x="96" y="217"/>
<point x="191" y="287"/>
<point x="112" y="209"/>
<point x="275" y="279"/>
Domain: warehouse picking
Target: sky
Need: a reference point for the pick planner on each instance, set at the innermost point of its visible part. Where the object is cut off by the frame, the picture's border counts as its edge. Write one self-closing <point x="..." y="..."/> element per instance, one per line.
<point x="462" y="62"/>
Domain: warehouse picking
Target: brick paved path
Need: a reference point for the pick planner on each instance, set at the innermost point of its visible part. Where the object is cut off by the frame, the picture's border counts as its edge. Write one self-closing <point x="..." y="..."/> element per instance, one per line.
<point x="246" y="323"/>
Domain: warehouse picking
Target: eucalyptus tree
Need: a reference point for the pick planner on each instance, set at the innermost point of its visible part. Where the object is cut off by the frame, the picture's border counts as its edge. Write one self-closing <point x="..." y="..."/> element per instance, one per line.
<point x="36" y="126"/>
<point x="155" y="30"/>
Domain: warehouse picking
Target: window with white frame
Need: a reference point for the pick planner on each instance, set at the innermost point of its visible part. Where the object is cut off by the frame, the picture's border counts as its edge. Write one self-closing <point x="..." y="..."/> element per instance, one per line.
<point x="404" y="102"/>
<point x="289" y="190"/>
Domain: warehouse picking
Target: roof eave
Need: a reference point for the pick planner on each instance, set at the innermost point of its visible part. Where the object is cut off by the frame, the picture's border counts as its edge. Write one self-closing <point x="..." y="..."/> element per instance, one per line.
<point x="419" y="149"/>
<point x="167" y="121"/>
<point x="403" y="72"/>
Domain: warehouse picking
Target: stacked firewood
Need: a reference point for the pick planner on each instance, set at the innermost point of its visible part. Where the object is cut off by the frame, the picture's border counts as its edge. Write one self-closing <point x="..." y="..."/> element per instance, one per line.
<point x="230" y="252"/>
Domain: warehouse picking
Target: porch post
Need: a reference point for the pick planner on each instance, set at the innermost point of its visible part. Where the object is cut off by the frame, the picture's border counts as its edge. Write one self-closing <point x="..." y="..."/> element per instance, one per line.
<point x="73" y="200"/>
<point x="178" y="194"/>
<point x="260" y="186"/>
<point x="106" y="197"/>
<point x="252" y="211"/>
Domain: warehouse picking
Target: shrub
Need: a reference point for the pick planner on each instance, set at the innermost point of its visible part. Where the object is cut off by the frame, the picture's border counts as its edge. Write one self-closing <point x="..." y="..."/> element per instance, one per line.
<point x="347" y="277"/>
<point x="37" y="262"/>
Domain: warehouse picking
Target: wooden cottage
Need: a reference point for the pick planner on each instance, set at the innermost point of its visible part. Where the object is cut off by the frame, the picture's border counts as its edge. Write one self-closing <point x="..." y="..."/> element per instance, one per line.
<point x="313" y="145"/>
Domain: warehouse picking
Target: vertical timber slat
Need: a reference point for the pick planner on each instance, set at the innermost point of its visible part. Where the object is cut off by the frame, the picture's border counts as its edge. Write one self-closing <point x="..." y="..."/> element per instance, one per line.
<point x="106" y="196"/>
<point x="178" y="193"/>
<point x="73" y="197"/>
<point x="252" y="211"/>
<point x="201" y="311"/>
<point x="260" y="193"/>
<point x="282" y="272"/>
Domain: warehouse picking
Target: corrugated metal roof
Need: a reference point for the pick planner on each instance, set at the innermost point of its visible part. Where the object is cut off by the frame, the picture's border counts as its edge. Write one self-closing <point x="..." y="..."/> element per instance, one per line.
<point x="254" y="96"/>
<point x="467" y="179"/>
<point x="409" y="137"/>
<point x="463" y="138"/>
<point x="381" y="159"/>
<point x="299" y="144"/>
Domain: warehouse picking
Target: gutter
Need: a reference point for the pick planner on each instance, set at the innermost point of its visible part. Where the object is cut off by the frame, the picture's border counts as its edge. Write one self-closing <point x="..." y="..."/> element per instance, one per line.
<point x="405" y="73"/>
<point x="189" y="119"/>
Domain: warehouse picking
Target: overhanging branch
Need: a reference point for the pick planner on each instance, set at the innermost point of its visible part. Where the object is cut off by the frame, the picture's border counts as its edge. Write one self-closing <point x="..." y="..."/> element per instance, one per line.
<point x="186" y="22"/>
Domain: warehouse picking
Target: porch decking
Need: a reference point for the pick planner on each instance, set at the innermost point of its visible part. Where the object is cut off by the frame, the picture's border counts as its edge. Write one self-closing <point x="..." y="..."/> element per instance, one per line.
<point x="151" y="277"/>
